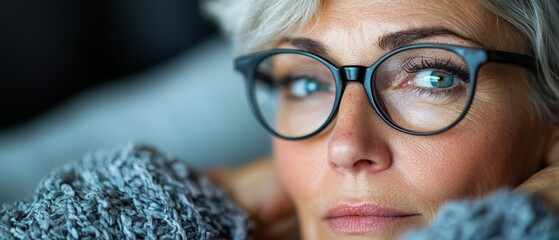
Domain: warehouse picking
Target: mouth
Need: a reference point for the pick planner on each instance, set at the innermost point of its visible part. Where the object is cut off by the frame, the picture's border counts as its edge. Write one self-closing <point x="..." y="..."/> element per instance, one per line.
<point x="364" y="218"/>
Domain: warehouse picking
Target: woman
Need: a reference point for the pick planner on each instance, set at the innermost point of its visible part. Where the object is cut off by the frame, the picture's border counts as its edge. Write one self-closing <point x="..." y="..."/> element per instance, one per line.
<point x="382" y="111"/>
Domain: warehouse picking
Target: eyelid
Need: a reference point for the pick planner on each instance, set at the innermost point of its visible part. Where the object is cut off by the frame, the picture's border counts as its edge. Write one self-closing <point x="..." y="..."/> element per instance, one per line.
<point x="439" y="64"/>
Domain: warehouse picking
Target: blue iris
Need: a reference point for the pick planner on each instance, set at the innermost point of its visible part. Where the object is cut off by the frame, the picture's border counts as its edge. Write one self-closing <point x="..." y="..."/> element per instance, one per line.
<point x="434" y="79"/>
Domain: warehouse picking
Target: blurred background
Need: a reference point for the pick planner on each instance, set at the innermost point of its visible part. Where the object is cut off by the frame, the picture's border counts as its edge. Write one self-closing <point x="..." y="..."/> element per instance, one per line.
<point x="77" y="76"/>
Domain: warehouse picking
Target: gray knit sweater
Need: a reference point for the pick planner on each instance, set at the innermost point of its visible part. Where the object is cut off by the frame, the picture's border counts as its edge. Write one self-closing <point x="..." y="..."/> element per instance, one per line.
<point x="137" y="192"/>
<point x="128" y="193"/>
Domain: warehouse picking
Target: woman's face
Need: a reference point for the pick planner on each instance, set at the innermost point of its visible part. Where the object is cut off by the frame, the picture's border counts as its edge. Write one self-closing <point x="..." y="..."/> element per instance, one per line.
<point x="359" y="176"/>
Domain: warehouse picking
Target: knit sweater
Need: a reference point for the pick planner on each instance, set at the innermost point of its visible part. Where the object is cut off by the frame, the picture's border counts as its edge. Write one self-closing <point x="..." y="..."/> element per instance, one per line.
<point x="138" y="192"/>
<point x="128" y="193"/>
<point x="501" y="215"/>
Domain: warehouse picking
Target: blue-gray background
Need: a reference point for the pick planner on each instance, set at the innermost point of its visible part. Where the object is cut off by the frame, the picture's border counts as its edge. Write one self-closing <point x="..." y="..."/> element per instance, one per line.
<point x="80" y="75"/>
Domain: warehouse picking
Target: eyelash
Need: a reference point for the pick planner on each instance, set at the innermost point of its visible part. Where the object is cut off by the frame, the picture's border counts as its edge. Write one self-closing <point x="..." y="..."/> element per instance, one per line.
<point x="412" y="66"/>
<point x="433" y="94"/>
<point x="286" y="80"/>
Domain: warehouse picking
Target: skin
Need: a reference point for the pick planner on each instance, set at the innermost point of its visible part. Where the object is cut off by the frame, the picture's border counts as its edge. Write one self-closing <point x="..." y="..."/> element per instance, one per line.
<point x="359" y="158"/>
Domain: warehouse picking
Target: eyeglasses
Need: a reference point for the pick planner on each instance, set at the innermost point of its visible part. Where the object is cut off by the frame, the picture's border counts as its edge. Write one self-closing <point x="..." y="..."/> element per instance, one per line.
<point x="421" y="89"/>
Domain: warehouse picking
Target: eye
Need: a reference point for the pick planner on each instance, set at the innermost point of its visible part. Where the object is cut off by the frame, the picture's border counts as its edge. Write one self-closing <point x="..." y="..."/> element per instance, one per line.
<point x="303" y="87"/>
<point x="434" y="79"/>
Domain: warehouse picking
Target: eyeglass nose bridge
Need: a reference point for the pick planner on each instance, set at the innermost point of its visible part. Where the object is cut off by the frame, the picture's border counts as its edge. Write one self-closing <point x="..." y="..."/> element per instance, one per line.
<point x="353" y="73"/>
<point x="356" y="73"/>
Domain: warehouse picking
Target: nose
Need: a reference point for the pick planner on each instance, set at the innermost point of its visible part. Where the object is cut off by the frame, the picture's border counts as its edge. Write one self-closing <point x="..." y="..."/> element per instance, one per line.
<point x="356" y="144"/>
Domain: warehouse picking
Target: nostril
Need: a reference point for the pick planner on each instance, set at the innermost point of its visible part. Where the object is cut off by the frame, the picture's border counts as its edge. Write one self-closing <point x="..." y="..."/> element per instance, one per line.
<point x="363" y="162"/>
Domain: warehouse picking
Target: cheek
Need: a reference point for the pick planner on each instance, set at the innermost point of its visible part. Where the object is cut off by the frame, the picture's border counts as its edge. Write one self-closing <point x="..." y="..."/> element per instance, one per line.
<point x="300" y="166"/>
<point x="454" y="169"/>
<point x="484" y="152"/>
<point x="286" y="158"/>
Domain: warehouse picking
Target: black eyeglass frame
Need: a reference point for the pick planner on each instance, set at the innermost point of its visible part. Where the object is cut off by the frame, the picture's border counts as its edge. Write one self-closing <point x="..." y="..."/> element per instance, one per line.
<point x="473" y="57"/>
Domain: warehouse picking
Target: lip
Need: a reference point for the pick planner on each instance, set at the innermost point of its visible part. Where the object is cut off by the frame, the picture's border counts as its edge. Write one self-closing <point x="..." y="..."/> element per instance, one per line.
<point x="365" y="217"/>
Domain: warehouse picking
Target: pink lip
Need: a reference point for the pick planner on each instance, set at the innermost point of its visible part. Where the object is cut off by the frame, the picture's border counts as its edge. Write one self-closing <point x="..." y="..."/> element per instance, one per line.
<point x="366" y="217"/>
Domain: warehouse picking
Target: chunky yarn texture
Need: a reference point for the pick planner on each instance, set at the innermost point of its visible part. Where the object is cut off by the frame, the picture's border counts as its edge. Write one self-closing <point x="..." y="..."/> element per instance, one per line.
<point x="128" y="193"/>
<point x="502" y="215"/>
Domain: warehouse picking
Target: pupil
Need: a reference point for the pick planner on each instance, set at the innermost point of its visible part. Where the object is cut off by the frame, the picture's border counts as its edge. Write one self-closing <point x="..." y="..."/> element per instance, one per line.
<point x="440" y="80"/>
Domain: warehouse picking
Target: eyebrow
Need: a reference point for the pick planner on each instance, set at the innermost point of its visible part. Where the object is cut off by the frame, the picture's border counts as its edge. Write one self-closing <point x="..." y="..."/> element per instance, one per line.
<point x="402" y="38"/>
<point x="387" y="42"/>
<point x="307" y="44"/>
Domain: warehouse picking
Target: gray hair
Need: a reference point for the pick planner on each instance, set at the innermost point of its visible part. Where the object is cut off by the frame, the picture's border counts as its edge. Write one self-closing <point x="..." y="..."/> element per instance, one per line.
<point x="256" y="25"/>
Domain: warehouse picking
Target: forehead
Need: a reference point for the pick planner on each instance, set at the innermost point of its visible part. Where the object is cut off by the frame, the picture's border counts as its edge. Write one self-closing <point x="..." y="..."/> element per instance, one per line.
<point x="367" y="20"/>
<point x="464" y="14"/>
<point x="357" y="24"/>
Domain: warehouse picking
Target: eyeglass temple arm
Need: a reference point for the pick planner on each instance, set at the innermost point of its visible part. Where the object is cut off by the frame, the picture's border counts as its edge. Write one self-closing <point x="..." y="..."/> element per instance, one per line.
<point x="244" y="65"/>
<point x="512" y="58"/>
